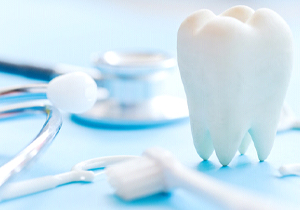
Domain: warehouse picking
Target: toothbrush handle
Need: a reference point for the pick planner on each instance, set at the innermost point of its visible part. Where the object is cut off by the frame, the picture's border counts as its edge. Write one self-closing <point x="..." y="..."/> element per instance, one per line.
<point x="13" y="190"/>
<point x="223" y="193"/>
<point x="17" y="189"/>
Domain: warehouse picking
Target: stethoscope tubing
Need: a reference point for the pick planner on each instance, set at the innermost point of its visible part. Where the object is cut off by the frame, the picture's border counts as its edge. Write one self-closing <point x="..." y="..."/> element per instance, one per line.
<point x="44" y="138"/>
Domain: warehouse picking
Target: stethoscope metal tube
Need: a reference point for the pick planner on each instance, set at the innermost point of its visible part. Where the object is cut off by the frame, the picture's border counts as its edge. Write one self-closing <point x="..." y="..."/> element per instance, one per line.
<point x="31" y="71"/>
<point x="44" y="72"/>
<point x="46" y="135"/>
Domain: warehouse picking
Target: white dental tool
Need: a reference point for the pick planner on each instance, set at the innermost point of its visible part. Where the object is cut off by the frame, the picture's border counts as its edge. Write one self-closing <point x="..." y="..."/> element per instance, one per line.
<point x="78" y="173"/>
<point x="134" y="177"/>
<point x="74" y="92"/>
<point x="158" y="171"/>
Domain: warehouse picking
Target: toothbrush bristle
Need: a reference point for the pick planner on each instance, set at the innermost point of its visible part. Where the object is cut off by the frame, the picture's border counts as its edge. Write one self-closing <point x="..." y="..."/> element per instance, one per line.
<point x="136" y="178"/>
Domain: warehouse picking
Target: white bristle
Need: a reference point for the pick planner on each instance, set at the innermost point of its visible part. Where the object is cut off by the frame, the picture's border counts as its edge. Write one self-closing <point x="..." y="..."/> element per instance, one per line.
<point x="73" y="92"/>
<point x="136" y="178"/>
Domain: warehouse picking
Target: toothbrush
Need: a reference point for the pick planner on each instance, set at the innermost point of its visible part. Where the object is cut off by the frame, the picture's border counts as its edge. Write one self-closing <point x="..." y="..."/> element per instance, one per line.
<point x="135" y="177"/>
<point x="18" y="189"/>
<point x="78" y="173"/>
<point x="158" y="171"/>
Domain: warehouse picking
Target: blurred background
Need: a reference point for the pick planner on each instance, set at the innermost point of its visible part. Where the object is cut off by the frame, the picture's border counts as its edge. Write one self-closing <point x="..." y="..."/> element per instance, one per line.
<point x="68" y="31"/>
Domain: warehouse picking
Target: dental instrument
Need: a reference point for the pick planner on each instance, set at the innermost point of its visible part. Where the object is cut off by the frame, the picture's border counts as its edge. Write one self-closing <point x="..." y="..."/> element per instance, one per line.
<point x="74" y="92"/>
<point x="134" y="177"/>
<point x="78" y="173"/>
<point x="134" y="83"/>
<point x="158" y="171"/>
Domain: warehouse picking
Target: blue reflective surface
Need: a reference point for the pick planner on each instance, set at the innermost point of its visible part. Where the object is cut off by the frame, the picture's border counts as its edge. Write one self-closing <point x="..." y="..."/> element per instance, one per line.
<point x="68" y="31"/>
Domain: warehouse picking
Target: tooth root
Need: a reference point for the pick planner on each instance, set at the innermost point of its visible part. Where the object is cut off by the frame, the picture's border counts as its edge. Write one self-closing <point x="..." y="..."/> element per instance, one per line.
<point x="226" y="142"/>
<point x="245" y="143"/>
<point x="202" y="142"/>
<point x="263" y="139"/>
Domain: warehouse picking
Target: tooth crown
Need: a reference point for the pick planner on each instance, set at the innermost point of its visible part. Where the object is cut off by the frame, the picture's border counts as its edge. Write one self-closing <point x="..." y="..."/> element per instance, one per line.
<point x="235" y="68"/>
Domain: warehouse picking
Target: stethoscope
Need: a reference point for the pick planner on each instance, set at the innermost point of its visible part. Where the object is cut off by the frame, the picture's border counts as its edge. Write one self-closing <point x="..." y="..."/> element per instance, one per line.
<point x="128" y="95"/>
<point x="130" y="88"/>
<point x="74" y="93"/>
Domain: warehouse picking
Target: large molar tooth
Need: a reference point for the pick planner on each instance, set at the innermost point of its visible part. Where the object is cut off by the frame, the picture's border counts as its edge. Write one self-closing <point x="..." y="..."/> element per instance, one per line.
<point x="235" y="69"/>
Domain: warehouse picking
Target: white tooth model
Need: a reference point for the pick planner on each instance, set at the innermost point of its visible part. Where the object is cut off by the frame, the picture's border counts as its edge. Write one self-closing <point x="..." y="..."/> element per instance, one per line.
<point x="235" y="68"/>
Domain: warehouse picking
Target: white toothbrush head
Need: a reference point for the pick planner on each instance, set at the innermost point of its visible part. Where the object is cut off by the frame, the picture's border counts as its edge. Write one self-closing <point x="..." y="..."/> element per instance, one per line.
<point x="158" y="171"/>
<point x="136" y="178"/>
<point x="143" y="176"/>
<point x="73" y="92"/>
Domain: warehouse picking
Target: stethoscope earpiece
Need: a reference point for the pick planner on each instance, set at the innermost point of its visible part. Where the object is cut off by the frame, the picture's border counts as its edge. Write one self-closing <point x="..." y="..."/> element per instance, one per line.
<point x="74" y="92"/>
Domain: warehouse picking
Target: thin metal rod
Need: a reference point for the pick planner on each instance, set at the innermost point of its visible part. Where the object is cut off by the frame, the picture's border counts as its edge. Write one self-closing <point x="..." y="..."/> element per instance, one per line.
<point x="47" y="73"/>
<point x="31" y="71"/>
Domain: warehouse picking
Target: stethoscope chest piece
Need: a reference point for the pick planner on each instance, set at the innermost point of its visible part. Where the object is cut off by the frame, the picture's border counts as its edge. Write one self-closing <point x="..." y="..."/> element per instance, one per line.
<point x="135" y="82"/>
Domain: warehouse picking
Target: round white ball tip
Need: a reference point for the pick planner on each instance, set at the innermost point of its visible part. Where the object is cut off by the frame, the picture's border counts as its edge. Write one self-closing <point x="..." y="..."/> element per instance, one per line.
<point x="73" y="92"/>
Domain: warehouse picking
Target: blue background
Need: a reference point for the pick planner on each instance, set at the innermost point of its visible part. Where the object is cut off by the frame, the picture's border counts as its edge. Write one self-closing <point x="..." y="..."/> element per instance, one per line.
<point x="68" y="31"/>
